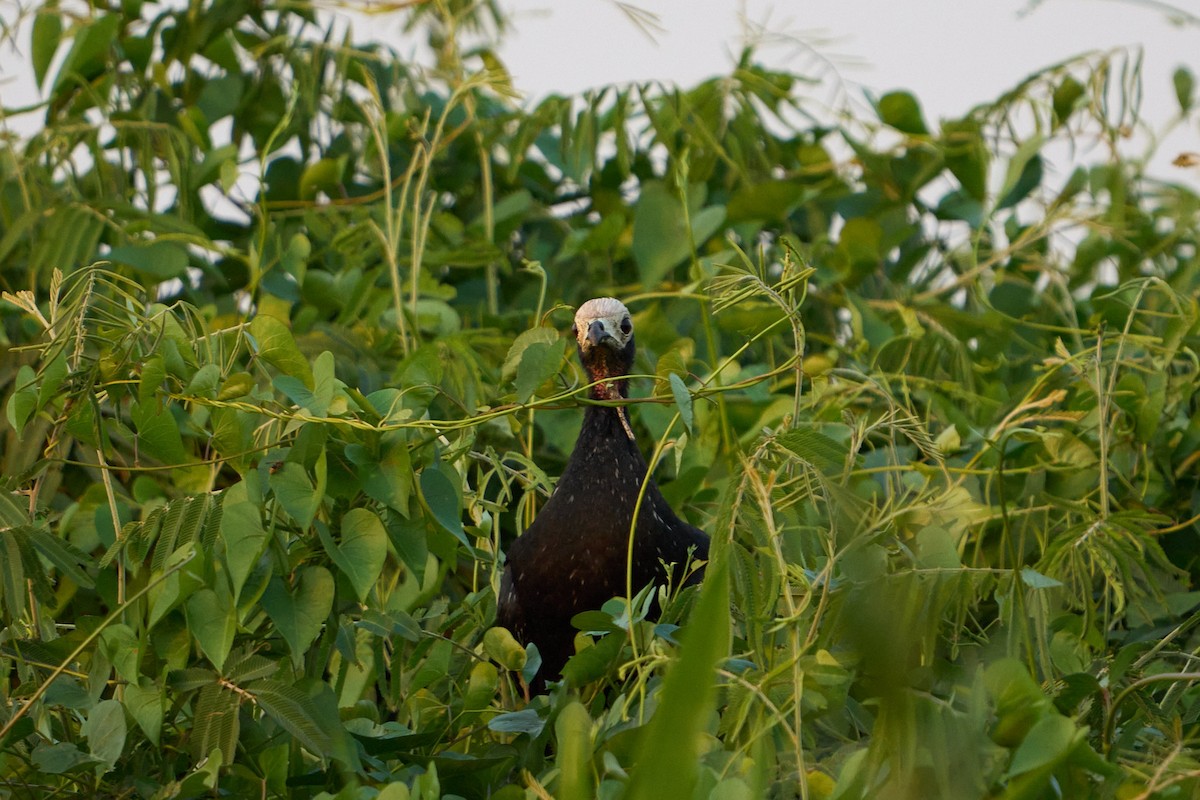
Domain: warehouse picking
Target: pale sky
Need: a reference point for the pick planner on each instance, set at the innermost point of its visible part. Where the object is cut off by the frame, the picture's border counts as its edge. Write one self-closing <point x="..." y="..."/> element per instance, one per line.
<point x="952" y="54"/>
<point x="954" y="51"/>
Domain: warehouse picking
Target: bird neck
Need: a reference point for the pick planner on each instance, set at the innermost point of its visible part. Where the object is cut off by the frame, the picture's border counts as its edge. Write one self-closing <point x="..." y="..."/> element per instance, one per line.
<point x="608" y="372"/>
<point x="609" y="379"/>
<point x="607" y="386"/>
<point x="608" y="420"/>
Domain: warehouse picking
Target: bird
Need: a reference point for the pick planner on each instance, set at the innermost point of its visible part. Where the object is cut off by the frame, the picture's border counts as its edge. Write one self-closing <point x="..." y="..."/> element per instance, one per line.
<point x="574" y="555"/>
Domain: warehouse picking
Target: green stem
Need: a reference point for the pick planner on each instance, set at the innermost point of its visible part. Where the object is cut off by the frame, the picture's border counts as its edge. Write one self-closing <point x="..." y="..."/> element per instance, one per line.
<point x="659" y="449"/>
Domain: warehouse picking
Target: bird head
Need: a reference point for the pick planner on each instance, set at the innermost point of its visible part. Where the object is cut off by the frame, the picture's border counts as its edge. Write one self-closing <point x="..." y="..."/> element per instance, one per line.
<point x="604" y="332"/>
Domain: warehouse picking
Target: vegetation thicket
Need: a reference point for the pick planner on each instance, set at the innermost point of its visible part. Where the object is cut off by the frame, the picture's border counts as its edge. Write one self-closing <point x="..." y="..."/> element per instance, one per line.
<point x="284" y="373"/>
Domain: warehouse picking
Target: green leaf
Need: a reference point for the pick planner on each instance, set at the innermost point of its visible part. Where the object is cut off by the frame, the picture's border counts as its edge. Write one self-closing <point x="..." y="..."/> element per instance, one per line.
<point x="705" y="224"/>
<point x="11" y="514"/>
<point x="119" y="643"/>
<point x="966" y="156"/>
<point x="539" y="363"/>
<point x="191" y="678"/>
<point x="239" y="384"/>
<point x="158" y="433"/>
<point x="816" y="448"/>
<point x="683" y="400"/>
<point x="936" y="549"/>
<point x="388" y="479"/>
<point x="361" y="551"/>
<point x="69" y="693"/>
<point x="769" y="201"/>
<point x="44" y="41"/>
<point x="1185" y="87"/>
<point x="295" y="492"/>
<point x="1149" y="413"/>
<point x="592" y="663"/>
<point x="738" y="789"/>
<point x="246" y="666"/>
<point x="1036" y="580"/>
<point x="89" y="51"/>
<point x="52" y="376"/>
<point x="177" y="348"/>
<point x="177" y="587"/>
<point x="23" y="401"/>
<point x="410" y="538"/>
<point x="202" y="780"/>
<point x="182" y="522"/>
<point x="156" y="260"/>
<point x="860" y="244"/>
<point x="154" y="373"/>
<point x="901" y="111"/>
<point x="12" y="576"/>
<point x="215" y="723"/>
<point x="1024" y="173"/>
<point x="295" y="712"/>
<point x="295" y="390"/>
<point x="18" y="231"/>
<point x="1018" y="699"/>
<point x="396" y="791"/>
<point x="1066" y="99"/>
<point x="300" y="613"/>
<point x="516" y="351"/>
<point x="324" y="175"/>
<point x="596" y="622"/>
<point x="513" y="206"/>
<point x="442" y="499"/>
<point x="1069" y="653"/>
<point x="105" y="731"/>
<point x="55" y="759"/>
<point x="948" y="441"/>
<point x="661" y="239"/>
<point x="524" y="721"/>
<point x="324" y="384"/>
<point x="481" y="687"/>
<point x="672" y="743"/>
<point x="1048" y="742"/>
<point x="210" y="617"/>
<point x="277" y="347"/>
<point x="64" y="556"/>
<point x="144" y="702"/>
<point x="220" y="97"/>
<point x="243" y="534"/>
<point x="959" y="205"/>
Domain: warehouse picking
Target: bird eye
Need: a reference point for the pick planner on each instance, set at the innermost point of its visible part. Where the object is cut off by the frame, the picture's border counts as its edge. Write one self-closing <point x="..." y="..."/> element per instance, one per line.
<point x="626" y="326"/>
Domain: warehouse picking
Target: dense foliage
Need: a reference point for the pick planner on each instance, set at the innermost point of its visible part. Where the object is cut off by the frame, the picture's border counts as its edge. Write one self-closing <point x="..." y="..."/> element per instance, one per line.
<point x="283" y="376"/>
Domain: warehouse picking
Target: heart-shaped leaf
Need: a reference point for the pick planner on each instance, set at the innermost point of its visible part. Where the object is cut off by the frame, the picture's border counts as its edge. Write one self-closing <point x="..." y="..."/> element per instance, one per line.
<point x="683" y="400"/>
<point x="299" y="614"/>
<point x="296" y="494"/>
<point x="442" y="499"/>
<point x="539" y="363"/>
<point x="361" y="550"/>
<point x="661" y="239"/>
<point x="277" y="347"/>
<point x="144" y="702"/>
<point x="105" y="731"/>
<point x="242" y="530"/>
<point x="210" y="619"/>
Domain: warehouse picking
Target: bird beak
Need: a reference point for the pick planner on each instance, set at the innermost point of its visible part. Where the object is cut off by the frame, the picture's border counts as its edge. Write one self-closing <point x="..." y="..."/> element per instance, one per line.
<point x="596" y="334"/>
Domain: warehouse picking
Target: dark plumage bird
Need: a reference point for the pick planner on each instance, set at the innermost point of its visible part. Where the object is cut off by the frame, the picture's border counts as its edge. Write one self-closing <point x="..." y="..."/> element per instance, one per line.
<point x="573" y="557"/>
